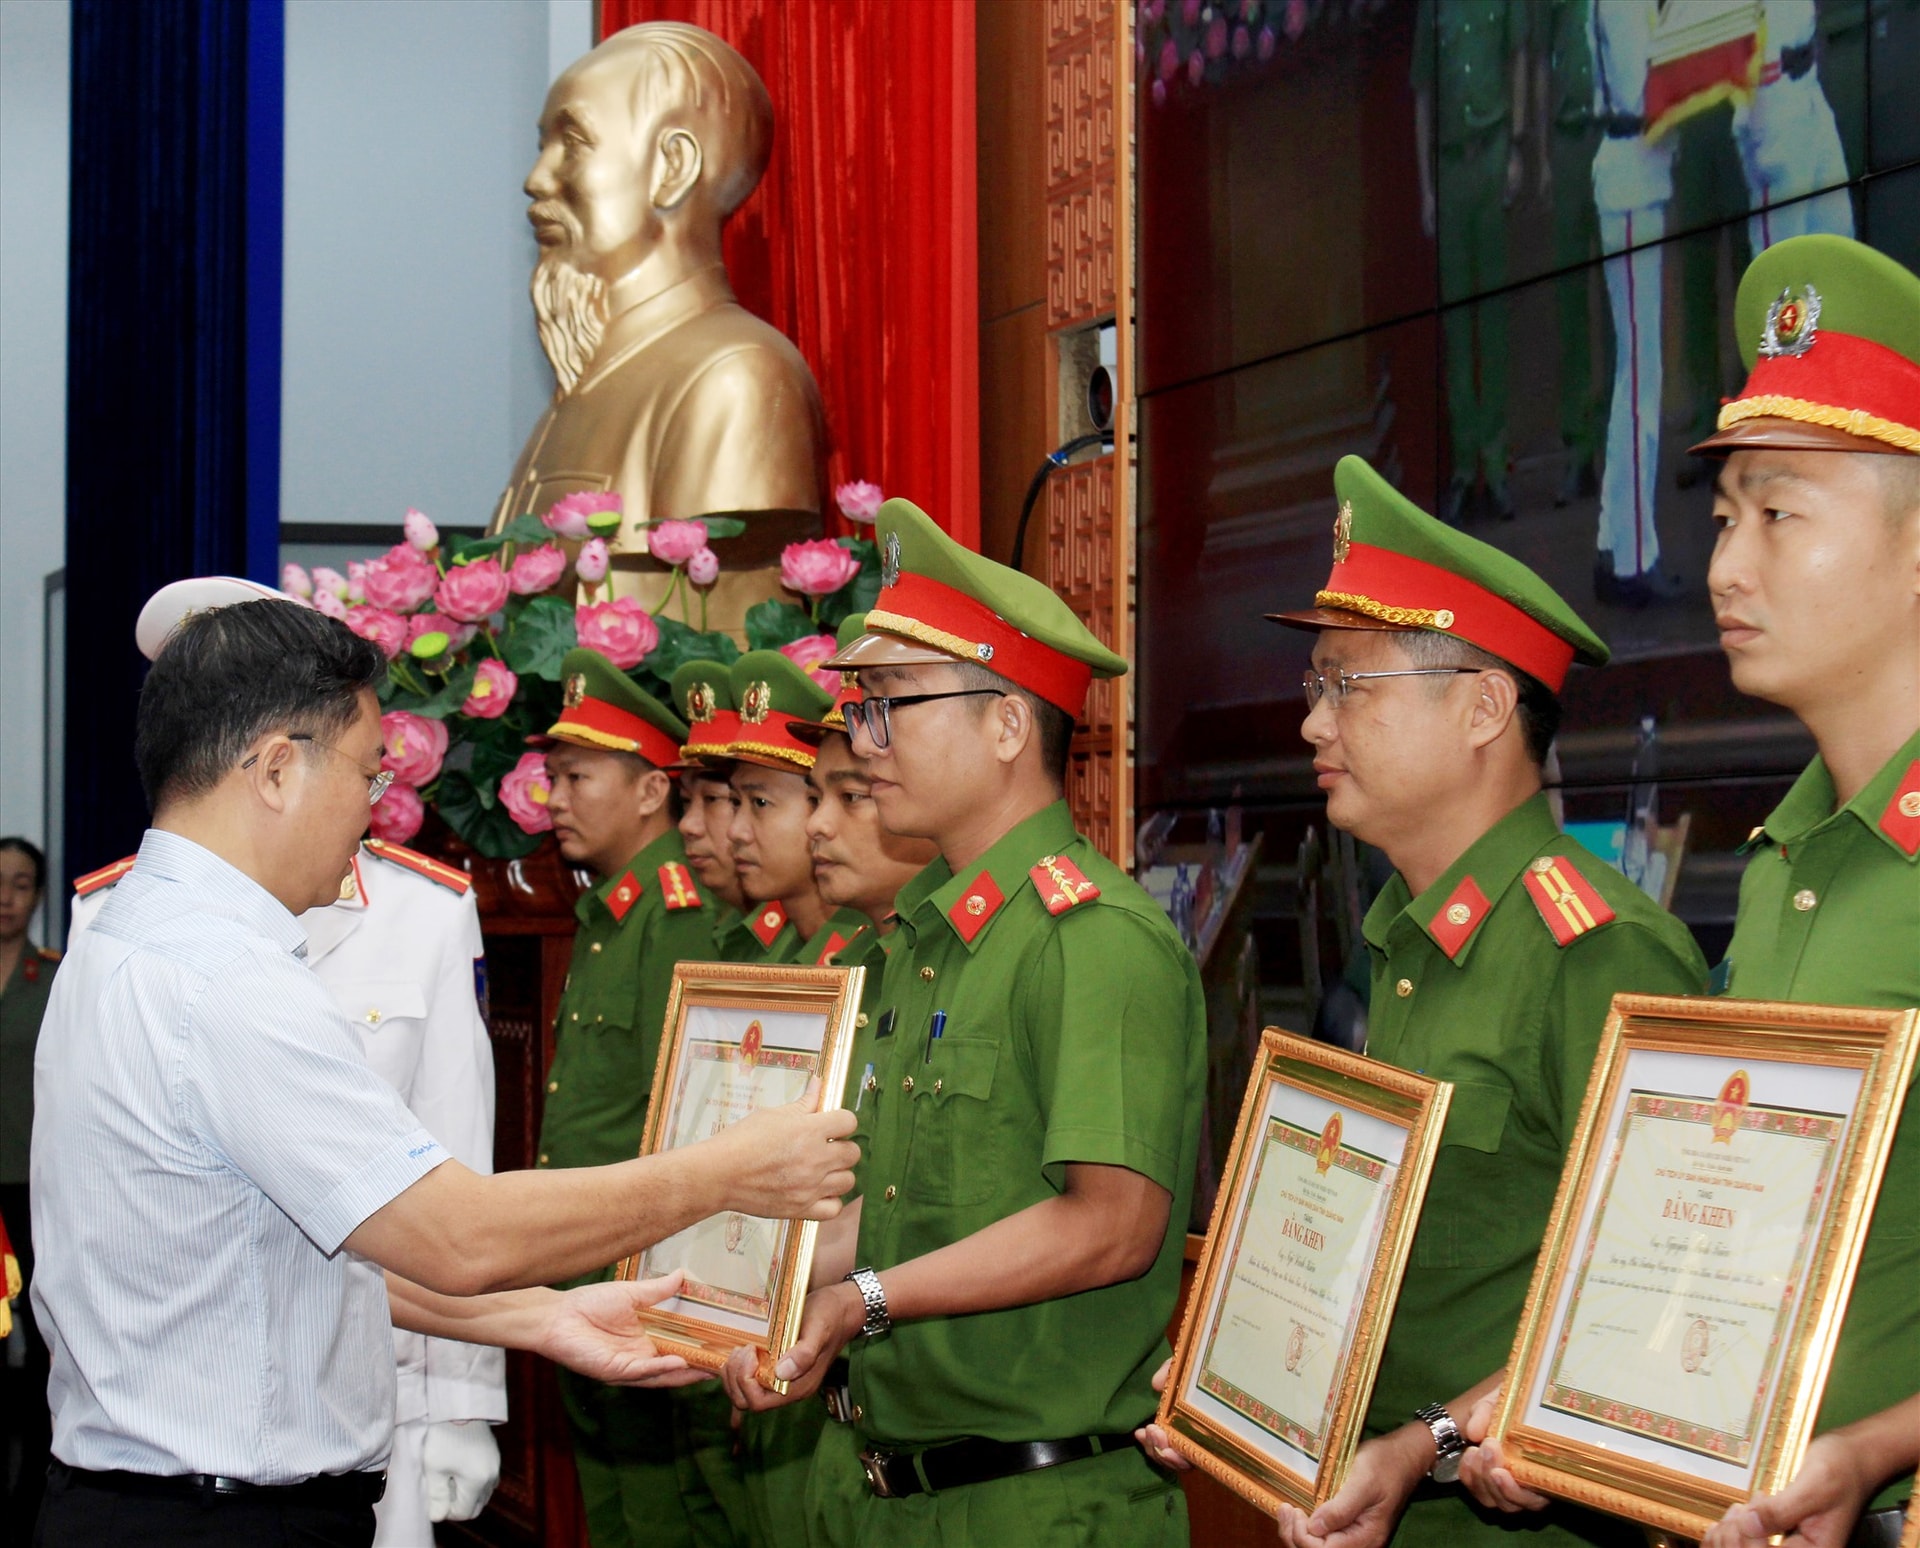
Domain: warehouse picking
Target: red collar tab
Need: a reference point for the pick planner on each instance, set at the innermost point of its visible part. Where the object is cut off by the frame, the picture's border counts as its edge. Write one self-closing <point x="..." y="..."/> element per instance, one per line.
<point x="624" y="895"/>
<point x="834" y="943"/>
<point x="1061" y="884"/>
<point x="596" y="723"/>
<point x="1901" y="820"/>
<point x="1456" y="919"/>
<point x="1432" y="598"/>
<point x="712" y="738"/>
<point x="980" y="903"/>
<point x="676" y="886"/>
<point x="769" y="922"/>
<point x="930" y="613"/>
<point x="1565" y="898"/>
<point x="1839" y="380"/>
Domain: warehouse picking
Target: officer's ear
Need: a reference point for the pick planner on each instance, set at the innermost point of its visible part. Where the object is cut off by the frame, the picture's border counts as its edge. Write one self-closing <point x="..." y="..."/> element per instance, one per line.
<point x="1496" y="703"/>
<point x="652" y="791"/>
<point x="270" y="769"/>
<point x="1015" y="727"/>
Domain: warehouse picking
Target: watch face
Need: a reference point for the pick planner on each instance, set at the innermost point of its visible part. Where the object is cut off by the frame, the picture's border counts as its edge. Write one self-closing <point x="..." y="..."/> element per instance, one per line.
<point x="1447" y="1468"/>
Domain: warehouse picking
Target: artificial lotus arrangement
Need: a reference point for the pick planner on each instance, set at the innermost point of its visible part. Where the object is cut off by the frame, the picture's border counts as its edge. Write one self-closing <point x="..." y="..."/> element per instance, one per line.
<point x="474" y="631"/>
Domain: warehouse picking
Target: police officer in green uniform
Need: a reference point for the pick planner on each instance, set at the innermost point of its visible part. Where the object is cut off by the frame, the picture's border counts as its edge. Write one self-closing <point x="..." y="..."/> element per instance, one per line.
<point x="703" y="694"/>
<point x="1470" y="97"/>
<point x="1497" y="947"/>
<point x="612" y="809"/>
<point x="1815" y="581"/>
<point x="1039" y="1060"/>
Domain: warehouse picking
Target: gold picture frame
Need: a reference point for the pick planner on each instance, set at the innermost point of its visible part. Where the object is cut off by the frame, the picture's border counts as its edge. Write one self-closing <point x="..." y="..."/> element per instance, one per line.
<point x="1324" y="1136"/>
<point x="740" y="1036"/>
<point x="1687" y="1297"/>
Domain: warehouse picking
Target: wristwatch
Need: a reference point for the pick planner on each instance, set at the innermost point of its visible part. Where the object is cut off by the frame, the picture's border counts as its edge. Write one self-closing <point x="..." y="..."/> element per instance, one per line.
<point x="868" y="1284"/>
<point x="1448" y="1443"/>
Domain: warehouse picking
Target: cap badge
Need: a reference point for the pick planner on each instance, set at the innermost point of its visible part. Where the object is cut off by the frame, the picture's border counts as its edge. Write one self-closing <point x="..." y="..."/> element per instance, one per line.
<point x="700" y="702"/>
<point x="890" y="560"/>
<point x="1343" y="532"/>
<point x="756" y="702"/>
<point x="573" y="690"/>
<point x="1790" y="322"/>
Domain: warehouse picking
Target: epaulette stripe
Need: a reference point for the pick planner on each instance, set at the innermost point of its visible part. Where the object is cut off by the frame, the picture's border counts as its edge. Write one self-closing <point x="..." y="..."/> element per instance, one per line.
<point x="93" y="881"/>
<point x="422" y="865"/>
<point x="1567" y="901"/>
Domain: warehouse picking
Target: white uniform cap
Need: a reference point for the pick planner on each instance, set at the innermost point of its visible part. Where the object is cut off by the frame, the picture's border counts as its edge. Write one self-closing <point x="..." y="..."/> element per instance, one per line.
<point x="174" y="603"/>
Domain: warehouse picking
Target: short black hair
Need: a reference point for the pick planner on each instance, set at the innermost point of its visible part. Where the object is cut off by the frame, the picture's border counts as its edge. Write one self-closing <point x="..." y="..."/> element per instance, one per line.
<point x="31" y="850"/>
<point x="1053" y="725"/>
<point x="229" y="676"/>
<point x="1538" y="708"/>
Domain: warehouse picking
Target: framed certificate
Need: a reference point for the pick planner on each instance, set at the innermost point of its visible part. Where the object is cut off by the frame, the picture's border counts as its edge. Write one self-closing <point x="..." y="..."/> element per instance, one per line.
<point x="1696" y="1267"/>
<point x="1296" y="1284"/>
<point x="740" y="1037"/>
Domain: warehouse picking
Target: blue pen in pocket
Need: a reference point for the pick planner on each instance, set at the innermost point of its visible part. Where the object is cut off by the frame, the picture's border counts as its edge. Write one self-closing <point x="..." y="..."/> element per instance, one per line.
<point x="933" y="1033"/>
<point x="866" y="1081"/>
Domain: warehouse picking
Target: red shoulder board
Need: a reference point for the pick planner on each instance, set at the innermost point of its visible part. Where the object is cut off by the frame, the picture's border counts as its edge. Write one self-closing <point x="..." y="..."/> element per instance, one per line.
<point x="768" y="923"/>
<point x="676" y="886"/>
<point x="626" y="892"/>
<point x="1459" y="917"/>
<point x="1565" y="898"/>
<point x="982" y="900"/>
<point x="422" y="865"/>
<point x="1060" y="884"/>
<point x="48" y="954"/>
<point x="106" y="876"/>
<point x="1901" y="820"/>
<point x="834" y="943"/>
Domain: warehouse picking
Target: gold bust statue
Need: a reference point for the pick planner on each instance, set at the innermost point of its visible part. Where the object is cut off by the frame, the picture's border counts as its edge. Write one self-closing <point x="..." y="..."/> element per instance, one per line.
<point x="668" y="390"/>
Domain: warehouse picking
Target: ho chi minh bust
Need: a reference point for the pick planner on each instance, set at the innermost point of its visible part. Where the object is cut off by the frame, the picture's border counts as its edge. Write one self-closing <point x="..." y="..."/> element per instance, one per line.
<point x="669" y="391"/>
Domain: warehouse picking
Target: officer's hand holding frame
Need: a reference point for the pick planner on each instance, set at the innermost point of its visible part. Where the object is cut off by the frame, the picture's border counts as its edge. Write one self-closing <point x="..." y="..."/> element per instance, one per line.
<point x="740" y="1038"/>
<point x="1296" y="1285"/>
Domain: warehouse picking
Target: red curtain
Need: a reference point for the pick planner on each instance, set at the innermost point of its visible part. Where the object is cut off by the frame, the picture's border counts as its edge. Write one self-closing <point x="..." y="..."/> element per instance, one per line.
<point x="859" y="243"/>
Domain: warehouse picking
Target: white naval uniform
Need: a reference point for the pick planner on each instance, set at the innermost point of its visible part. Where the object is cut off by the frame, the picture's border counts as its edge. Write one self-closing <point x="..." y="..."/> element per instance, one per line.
<point x="399" y="957"/>
<point x="1789" y="143"/>
<point x="1632" y="183"/>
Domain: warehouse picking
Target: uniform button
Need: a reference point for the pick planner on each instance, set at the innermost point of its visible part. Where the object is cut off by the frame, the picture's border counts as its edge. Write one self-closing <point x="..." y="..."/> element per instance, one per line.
<point x="373" y="1018"/>
<point x="553" y="1085"/>
<point x="543" y="1158"/>
<point x="859" y="1413"/>
<point x="595" y="947"/>
<point x="927" y="974"/>
<point x="860" y="1020"/>
<point x="873" y="1083"/>
<point x="1403" y="988"/>
<point x="907" y="1084"/>
<point x="576" y="1015"/>
<point x="936" y="1085"/>
<point x="889" y="1194"/>
<point x="1804" y="899"/>
<point x="599" y="1018"/>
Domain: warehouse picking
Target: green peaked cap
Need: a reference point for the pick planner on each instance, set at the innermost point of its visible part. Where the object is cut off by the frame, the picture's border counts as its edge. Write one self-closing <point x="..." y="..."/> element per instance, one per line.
<point x="851" y="628"/>
<point x="1394" y="566"/>
<point x="769" y="691"/>
<point x="603" y="707"/>
<point x="834" y="722"/>
<point x="716" y="675"/>
<point x="1862" y="292"/>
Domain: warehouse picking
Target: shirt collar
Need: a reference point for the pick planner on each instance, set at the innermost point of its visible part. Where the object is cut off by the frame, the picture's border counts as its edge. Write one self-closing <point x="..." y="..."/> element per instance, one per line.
<point x="1491" y="864"/>
<point x="644" y="868"/>
<point x="218" y="888"/>
<point x="1808" y="806"/>
<point x="1007" y="862"/>
<point x="645" y="321"/>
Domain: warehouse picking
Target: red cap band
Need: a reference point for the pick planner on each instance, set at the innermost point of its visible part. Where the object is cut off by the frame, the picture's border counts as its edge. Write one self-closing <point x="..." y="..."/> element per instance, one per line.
<point x="1380" y="582"/>
<point x="712" y="737"/>
<point x="772" y="744"/>
<point x="1844" y="382"/>
<point x="929" y="613"/>
<point x="596" y="723"/>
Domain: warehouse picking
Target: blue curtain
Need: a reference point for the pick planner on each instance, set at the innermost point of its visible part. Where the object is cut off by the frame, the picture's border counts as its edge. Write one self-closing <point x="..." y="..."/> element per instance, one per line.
<point x="172" y="354"/>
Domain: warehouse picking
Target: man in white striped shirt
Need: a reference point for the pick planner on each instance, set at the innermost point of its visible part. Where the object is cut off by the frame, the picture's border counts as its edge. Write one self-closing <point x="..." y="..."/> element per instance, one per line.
<point x="222" y="1178"/>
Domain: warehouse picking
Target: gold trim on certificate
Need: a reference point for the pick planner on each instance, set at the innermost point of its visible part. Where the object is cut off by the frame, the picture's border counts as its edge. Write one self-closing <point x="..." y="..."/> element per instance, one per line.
<point x="739" y="1038"/>
<point x="1298" y="1274"/>
<point x="1696" y="1268"/>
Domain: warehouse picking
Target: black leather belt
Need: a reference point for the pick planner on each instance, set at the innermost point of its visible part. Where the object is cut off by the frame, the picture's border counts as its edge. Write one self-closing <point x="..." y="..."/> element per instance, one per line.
<point x="329" y="1491"/>
<point x="1622" y="126"/>
<point x="894" y="1474"/>
<point x="1880" y="1528"/>
<point x="1795" y="62"/>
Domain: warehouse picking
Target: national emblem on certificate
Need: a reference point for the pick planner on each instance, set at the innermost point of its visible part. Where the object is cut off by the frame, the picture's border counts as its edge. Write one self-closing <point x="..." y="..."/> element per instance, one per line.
<point x="1296" y="1285"/>
<point x="1698" y="1262"/>
<point x="739" y="1038"/>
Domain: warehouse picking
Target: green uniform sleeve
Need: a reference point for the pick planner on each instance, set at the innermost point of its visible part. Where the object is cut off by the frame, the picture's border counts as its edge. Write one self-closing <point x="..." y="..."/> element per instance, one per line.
<point x="1112" y="1012"/>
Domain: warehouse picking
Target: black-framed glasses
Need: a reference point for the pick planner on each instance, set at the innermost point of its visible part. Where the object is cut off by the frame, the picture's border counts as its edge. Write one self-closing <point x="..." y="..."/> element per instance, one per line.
<point x="1336" y="684"/>
<point x="376" y="783"/>
<point x="876" y="713"/>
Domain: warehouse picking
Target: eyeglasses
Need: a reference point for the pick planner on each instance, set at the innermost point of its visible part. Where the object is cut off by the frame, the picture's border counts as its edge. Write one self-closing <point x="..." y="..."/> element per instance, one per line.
<point x="876" y="714"/>
<point x="1337" y="683"/>
<point x="376" y="783"/>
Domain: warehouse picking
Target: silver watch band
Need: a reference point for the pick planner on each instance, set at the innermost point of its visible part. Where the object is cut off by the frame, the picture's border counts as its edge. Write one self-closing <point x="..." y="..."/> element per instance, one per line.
<point x="868" y="1284"/>
<point x="1449" y="1445"/>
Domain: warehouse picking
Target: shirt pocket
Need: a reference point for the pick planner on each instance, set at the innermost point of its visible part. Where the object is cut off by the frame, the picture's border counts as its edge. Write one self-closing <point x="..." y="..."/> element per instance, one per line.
<point x="951" y="1156"/>
<point x="1467" y="1220"/>
<point x="390" y="1015"/>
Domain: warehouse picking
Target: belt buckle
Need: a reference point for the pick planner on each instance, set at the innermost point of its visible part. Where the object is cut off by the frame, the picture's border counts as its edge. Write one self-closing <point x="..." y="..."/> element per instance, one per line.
<point x="839" y="1401"/>
<point x="875" y="1465"/>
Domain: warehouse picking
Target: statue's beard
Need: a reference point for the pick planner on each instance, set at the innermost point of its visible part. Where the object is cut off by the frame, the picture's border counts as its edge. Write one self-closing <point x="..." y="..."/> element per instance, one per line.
<point x="569" y="305"/>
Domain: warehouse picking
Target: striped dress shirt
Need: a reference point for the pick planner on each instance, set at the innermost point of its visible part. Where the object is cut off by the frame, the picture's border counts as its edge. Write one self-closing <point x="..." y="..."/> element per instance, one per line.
<point x="207" y="1134"/>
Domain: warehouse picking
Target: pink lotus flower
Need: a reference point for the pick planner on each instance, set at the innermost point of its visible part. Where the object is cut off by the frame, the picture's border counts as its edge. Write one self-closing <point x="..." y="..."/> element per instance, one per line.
<point x="397" y="815"/>
<point x="1190" y="12"/>
<point x="295" y="581"/>
<point x="400" y="579"/>
<point x="493" y="687"/>
<point x="1265" y="43"/>
<point x="524" y="791"/>
<point x="591" y="562"/>
<point x="1159" y="92"/>
<point x="326" y="602"/>
<point x="387" y="630"/>
<point x="536" y="569"/>
<point x="356" y="581"/>
<point x="1196" y="67"/>
<point x="472" y="592"/>
<point x="1169" y="65"/>
<point x="818" y="568"/>
<point x="1296" y="19"/>
<point x="703" y="569"/>
<point x="435" y="623"/>
<point x="421" y="533"/>
<point x="325" y="579"/>
<point x="675" y="542"/>
<point x="1242" y="43"/>
<point x="808" y="653"/>
<point x="416" y="746"/>
<point x="621" y="630"/>
<point x="859" y="501"/>
<point x="568" y="517"/>
<point x="1216" y="43"/>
